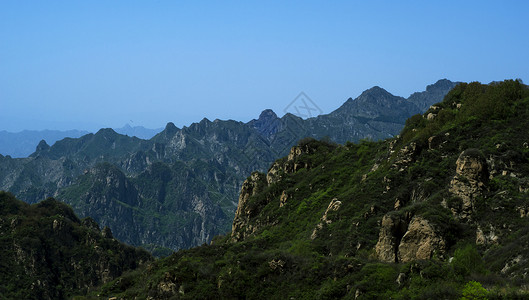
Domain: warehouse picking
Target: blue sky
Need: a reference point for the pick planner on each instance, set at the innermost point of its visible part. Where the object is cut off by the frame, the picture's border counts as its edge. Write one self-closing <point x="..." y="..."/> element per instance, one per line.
<point x="92" y="64"/>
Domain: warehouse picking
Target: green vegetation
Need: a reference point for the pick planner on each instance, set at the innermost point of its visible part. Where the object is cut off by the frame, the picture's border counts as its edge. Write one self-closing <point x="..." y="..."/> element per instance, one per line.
<point x="305" y="249"/>
<point x="180" y="188"/>
<point x="333" y="221"/>
<point x="48" y="253"/>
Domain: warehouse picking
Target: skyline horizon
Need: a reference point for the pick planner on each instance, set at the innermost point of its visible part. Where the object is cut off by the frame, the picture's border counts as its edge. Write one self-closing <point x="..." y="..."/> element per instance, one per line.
<point x="280" y="113"/>
<point x="101" y="64"/>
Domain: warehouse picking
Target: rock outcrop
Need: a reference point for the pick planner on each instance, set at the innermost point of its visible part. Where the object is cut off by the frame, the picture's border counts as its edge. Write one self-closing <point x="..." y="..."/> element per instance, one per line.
<point x="420" y="241"/>
<point x="242" y="226"/>
<point x="392" y="230"/>
<point x="290" y="165"/>
<point x="401" y="240"/>
<point x="470" y="181"/>
<point x="334" y="206"/>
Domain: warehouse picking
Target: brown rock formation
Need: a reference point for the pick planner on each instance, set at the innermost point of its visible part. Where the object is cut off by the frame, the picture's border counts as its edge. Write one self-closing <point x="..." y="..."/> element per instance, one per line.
<point x="421" y="241"/>
<point x="241" y="226"/>
<point x="334" y="205"/>
<point x="469" y="181"/>
<point x="392" y="230"/>
<point x="400" y="241"/>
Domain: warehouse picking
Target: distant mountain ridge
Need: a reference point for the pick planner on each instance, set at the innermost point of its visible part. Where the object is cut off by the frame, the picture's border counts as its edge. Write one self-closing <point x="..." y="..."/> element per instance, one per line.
<point x="180" y="188"/>
<point x="22" y="144"/>
<point x="138" y="131"/>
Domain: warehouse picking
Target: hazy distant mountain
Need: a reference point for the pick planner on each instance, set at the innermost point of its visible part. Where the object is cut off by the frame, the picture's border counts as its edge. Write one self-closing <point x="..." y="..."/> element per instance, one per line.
<point x="22" y="144"/>
<point x="138" y="131"/>
<point x="180" y="188"/>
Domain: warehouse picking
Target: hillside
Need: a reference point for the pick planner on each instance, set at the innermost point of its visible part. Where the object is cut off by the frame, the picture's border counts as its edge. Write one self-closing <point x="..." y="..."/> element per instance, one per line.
<point x="438" y="212"/>
<point x="180" y="188"/>
<point x="46" y="252"/>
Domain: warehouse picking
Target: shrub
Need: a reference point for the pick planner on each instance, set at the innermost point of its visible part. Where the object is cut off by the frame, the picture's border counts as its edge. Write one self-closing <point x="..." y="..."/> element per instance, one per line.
<point x="467" y="261"/>
<point x="473" y="290"/>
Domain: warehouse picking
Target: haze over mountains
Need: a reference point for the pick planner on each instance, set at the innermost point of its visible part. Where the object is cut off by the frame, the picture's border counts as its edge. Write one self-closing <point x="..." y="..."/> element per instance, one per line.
<point x="180" y="188"/>
<point x="23" y="143"/>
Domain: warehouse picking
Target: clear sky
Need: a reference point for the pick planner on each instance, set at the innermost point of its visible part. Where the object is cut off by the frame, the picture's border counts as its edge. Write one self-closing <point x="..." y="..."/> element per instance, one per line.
<point x="92" y="64"/>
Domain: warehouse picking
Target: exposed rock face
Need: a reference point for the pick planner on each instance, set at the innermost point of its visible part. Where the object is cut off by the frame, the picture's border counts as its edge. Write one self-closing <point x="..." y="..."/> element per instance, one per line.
<point x="406" y="155"/>
<point x="241" y="223"/>
<point x="469" y="181"/>
<point x="421" y="241"/>
<point x="486" y="238"/>
<point x="290" y="165"/>
<point x="334" y="206"/>
<point x="283" y="199"/>
<point x="402" y="242"/>
<point x="423" y="100"/>
<point x="392" y="230"/>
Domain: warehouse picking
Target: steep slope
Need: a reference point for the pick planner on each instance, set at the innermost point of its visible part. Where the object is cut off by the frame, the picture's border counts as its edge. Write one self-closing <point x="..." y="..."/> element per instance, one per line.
<point x="207" y="163"/>
<point x="48" y="253"/>
<point x="435" y="213"/>
<point x="157" y="207"/>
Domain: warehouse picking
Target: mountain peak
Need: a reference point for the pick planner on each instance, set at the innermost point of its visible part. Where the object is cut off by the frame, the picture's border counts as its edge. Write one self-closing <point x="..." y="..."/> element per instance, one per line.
<point x="42" y="146"/>
<point x="267" y="124"/>
<point x="106" y="131"/>
<point x="170" y="127"/>
<point x="440" y="84"/>
<point x="434" y="93"/>
<point x="267" y="115"/>
<point x="375" y="91"/>
<point x="170" y="130"/>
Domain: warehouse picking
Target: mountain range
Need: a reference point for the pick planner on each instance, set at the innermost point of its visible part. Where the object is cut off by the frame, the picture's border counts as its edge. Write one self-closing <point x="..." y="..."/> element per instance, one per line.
<point x="439" y="211"/>
<point x="22" y="144"/>
<point x="180" y="188"/>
